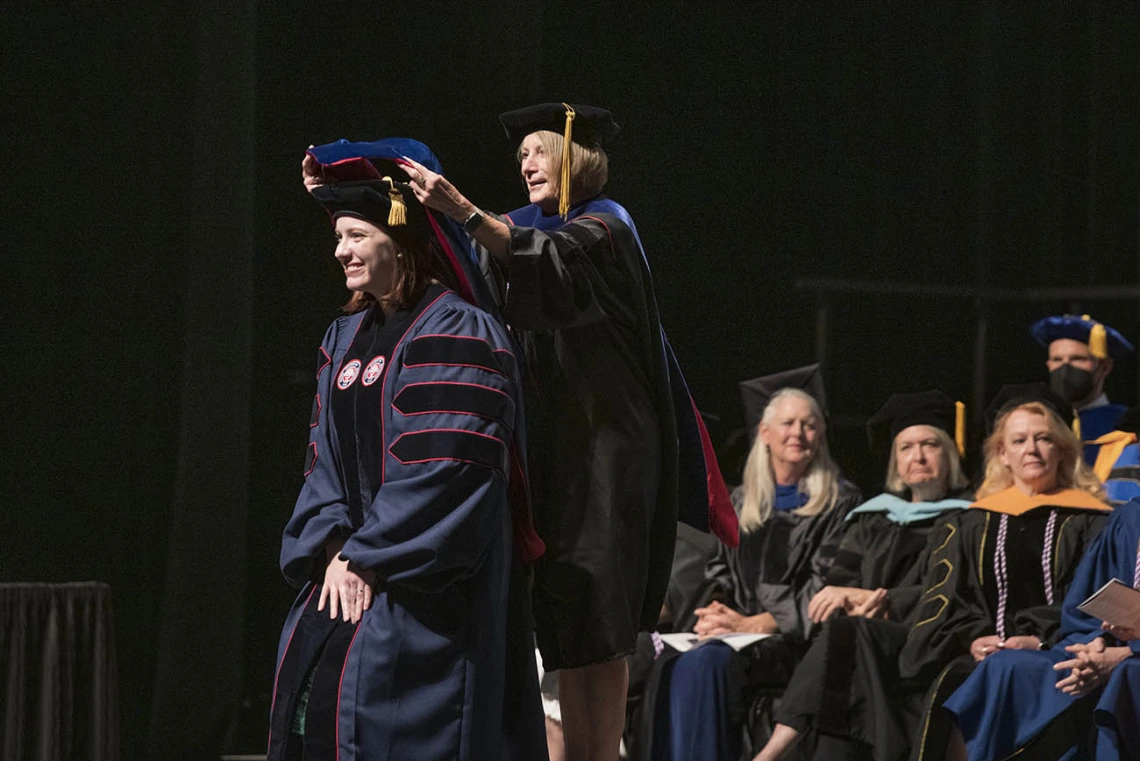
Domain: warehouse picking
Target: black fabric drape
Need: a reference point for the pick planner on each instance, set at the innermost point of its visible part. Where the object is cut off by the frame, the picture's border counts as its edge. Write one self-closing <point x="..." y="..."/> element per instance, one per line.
<point x="58" y="681"/>
<point x="198" y="674"/>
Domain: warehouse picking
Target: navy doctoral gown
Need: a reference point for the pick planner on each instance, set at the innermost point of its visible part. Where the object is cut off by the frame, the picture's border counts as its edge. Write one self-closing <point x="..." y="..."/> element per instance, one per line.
<point x="410" y="461"/>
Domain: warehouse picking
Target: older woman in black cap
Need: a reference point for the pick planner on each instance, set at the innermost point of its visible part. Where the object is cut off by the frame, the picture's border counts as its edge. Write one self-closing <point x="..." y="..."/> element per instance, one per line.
<point x="875" y="579"/>
<point x="401" y="537"/>
<point x="618" y="453"/>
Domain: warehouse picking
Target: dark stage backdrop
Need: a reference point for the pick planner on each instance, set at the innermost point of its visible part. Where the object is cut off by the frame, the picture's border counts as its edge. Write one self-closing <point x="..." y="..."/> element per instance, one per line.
<point x="161" y="336"/>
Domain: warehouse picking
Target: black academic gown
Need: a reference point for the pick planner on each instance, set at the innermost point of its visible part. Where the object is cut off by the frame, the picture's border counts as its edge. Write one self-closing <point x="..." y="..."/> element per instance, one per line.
<point x="780" y="566"/>
<point x="903" y="673"/>
<point x="776" y="569"/>
<point x="876" y="552"/>
<point x="601" y="433"/>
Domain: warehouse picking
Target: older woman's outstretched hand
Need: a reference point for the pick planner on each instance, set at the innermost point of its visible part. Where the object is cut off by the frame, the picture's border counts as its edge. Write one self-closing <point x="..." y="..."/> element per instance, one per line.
<point x="310" y="172"/>
<point x="436" y="192"/>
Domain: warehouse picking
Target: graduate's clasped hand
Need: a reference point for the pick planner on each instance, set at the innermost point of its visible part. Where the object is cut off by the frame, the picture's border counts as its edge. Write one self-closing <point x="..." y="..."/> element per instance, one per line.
<point x="717" y="618"/>
<point x="347" y="592"/>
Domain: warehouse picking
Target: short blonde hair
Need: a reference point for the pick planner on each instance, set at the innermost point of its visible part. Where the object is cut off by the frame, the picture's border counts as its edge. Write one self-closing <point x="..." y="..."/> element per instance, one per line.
<point x="820" y="481"/>
<point x="951" y="465"/>
<point x="1072" y="472"/>
<point x="590" y="166"/>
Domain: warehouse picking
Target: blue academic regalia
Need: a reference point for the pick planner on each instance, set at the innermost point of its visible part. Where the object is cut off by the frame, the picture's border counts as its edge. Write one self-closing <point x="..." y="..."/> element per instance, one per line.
<point x="1118" y="459"/>
<point x="1123" y="482"/>
<point x="410" y="461"/>
<point x="1011" y="699"/>
<point x="1096" y="422"/>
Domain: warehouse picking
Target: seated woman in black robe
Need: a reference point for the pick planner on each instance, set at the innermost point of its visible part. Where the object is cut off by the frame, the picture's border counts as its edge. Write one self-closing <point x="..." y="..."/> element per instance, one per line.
<point x="791" y="505"/>
<point x="1007" y="567"/>
<point x="877" y="571"/>
<point x="995" y="580"/>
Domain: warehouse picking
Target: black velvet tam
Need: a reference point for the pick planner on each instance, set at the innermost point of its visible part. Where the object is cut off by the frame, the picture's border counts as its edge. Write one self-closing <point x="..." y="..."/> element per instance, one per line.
<point x="1014" y="395"/>
<point x="373" y="200"/>
<point x="904" y="410"/>
<point x="592" y="127"/>
<point x="756" y="393"/>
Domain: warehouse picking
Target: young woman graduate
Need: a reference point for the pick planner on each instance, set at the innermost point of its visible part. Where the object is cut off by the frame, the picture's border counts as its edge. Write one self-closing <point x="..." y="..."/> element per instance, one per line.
<point x="618" y="453"/>
<point x="792" y="506"/>
<point x="401" y="536"/>
<point x="876" y="574"/>
<point x="1042" y="704"/>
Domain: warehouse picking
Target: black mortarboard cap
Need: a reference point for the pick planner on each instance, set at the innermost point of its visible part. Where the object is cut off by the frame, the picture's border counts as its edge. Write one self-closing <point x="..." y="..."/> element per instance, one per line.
<point x="901" y="411"/>
<point x="592" y="126"/>
<point x="385" y="202"/>
<point x="1014" y="395"/>
<point x="756" y="393"/>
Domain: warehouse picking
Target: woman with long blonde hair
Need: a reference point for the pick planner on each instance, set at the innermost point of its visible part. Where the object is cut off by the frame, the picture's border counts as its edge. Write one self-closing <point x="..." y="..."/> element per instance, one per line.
<point x="792" y="506"/>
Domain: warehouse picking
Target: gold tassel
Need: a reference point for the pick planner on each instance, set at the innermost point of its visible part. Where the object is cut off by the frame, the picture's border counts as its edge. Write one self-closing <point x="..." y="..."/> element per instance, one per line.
<point x="398" y="214"/>
<point x="960" y="427"/>
<point x="564" y="182"/>
<point x="1077" y="426"/>
<point x="1098" y="341"/>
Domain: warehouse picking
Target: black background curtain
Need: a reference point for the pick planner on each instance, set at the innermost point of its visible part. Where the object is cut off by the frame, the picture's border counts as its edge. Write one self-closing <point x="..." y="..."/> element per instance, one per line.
<point x="159" y="250"/>
<point x="58" y="673"/>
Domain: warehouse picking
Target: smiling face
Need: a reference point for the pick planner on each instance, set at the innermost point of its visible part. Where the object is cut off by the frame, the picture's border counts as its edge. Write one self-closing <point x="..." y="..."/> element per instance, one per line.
<point x="920" y="458"/>
<point x="368" y="255"/>
<point x="792" y="432"/>
<point x="536" y="166"/>
<point x="1029" y="452"/>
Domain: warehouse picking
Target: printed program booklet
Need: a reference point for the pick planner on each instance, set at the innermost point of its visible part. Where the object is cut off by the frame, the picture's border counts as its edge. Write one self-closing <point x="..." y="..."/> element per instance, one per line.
<point x="685" y="641"/>
<point x="1115" y="603"/>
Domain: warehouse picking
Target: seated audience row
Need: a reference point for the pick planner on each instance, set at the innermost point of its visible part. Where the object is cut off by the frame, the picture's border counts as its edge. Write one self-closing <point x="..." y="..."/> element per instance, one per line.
<point x="873" y="614"/>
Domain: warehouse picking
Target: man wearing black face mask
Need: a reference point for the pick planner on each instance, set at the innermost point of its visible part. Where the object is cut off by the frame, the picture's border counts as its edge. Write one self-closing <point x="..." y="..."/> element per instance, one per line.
<point x="1081" y="354"/>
